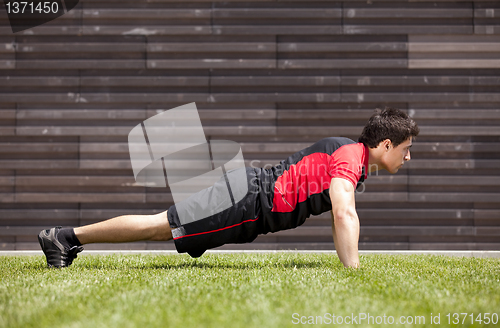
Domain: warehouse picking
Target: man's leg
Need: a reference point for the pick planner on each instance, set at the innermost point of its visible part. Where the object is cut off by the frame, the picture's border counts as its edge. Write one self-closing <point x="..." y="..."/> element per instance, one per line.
<point x="61" y="246"/>
<point x="126" y="228"/>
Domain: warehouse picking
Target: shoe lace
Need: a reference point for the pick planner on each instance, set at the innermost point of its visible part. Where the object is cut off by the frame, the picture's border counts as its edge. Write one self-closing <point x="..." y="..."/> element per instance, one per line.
<point x="72" y="254"/>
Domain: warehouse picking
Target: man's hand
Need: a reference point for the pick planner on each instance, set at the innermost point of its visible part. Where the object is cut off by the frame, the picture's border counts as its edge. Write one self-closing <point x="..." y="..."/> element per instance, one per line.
<point x="345" y="222"/>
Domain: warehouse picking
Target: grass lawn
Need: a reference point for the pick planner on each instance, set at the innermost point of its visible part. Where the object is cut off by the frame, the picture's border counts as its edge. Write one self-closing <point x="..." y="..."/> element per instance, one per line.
<point x="248" y="290"/>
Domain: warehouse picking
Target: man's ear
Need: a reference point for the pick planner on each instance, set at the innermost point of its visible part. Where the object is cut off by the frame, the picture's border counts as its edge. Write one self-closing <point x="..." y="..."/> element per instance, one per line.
<point x="387" y="144"/>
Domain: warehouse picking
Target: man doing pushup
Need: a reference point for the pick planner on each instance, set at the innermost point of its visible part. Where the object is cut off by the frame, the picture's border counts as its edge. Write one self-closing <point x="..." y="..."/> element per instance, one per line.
<point x="317" y="179"/>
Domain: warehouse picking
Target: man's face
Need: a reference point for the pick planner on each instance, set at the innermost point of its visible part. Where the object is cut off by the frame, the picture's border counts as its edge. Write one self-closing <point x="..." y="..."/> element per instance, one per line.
<point x="395" y="157"/>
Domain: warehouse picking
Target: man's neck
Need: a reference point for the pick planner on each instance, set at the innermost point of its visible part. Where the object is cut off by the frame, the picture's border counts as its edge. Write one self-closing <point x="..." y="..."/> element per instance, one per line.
<point x="373" y="159"/>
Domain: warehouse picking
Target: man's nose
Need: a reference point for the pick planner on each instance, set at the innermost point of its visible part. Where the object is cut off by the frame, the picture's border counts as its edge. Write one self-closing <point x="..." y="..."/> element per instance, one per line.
<point x="407" y="156"/>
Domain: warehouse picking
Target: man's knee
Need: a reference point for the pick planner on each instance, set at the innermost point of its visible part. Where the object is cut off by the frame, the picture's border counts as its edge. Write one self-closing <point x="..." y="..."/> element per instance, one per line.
<point x="163" y="231"/>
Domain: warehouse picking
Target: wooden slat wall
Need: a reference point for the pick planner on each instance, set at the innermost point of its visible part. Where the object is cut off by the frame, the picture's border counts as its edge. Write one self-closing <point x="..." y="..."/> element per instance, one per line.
<point x="274" y="76"/>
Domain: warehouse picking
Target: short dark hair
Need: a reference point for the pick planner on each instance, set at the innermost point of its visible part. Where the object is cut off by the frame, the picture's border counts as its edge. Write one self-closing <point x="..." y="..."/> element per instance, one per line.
<point x="390" y="123"/>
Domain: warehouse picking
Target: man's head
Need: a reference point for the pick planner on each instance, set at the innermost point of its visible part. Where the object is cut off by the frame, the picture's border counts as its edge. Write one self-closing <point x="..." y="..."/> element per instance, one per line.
<point x="389" y="133"/>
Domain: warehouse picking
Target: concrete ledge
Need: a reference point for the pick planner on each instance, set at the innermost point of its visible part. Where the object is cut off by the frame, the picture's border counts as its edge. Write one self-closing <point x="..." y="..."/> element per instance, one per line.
<point x="479" y="254"/>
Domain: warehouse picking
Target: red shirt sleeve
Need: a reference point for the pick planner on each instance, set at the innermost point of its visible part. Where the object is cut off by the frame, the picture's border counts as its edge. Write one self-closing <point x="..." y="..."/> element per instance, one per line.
<point x="347" y="163"/>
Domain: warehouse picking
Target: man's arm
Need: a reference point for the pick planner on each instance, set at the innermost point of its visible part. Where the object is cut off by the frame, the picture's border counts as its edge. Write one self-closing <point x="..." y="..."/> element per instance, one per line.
<point x="345" y="222"/>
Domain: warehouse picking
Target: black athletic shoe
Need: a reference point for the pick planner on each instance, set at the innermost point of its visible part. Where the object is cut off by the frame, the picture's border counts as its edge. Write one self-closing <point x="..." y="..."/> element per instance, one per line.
<point x="57" y="255"/>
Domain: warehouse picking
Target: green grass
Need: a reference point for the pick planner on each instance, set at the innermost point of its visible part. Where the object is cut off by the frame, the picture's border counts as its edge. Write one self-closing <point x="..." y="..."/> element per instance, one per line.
<point x="242" y="290"/>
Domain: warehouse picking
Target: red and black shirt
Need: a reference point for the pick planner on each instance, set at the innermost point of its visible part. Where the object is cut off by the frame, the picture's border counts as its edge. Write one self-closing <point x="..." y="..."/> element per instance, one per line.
<point x="299" y="186"/>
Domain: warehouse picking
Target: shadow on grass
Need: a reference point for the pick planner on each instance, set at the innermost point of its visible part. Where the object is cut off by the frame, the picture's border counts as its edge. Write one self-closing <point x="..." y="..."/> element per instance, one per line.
<point x="238" y="266"/>
<point x="211" y="263"/>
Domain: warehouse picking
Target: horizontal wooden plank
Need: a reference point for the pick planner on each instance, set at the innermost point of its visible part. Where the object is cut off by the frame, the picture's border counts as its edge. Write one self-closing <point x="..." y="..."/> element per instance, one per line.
<point x="487" y="214"/>
<point x="7" y="181"/>
<point x="7" y="197"/>
<point x="417" y="97"/>
<point x="240" y="130"/>
<point x="321" y="47"/>
<point x="210" y="63"/>
<point x="146" y="30"/>
<point x="351" y="14"/>
<point x="123" y="131"/>
<point x="382" y="197"/>
<point x="104" y="148"/>
<point x="69" y="29"/>
<point x="317" y="115"/>
<point x="454" y="197"/>
<point x="81" y="64"/>
<point x="454" y="180"/>
<point x="459" y="130"/>
<point x="385" y="231"/>
<point x="7" y="63"/>
<point x="37" y="147"/>
<point x="421" y="213"/>
<point x="418" y="114"/>
<point x="81" y="114"/>
<point x="7" y="131"/>
<point x="487" y="12"/>
<point x="38" y="214"/>
<point x="419" y="231"/>
<point x="103" y="214"/>
<point x="484" y="55"/>
<point x="81" y="47"/>
<point x="374" y="180"/>
<point x="7" y="47"/>
<point x="453" y="148"/>
<point x="299" y="81"/>
<point x="452" y="164"/>
<point x="407" y="29"/>
<point x="76" y="181"/>
<point x="38" y="164"/>
<point x="341" y="63"/>
<point x="64" y="197"/>
<point x="106" y="164"/>
<point x="72" y="130"/>
<point x="486" y="29"/>
<point x="444" y="39"/>
<point x="38" y="81"/>
<point x="488" y="231"/>
<point x="212" y="47"/>
<point x="487" y="114"/>
<point x="305" y="130"/>
<point x="141" y="98"/>
<point x="277" y="30"/>
<point x="453" y="63"/>
<point x="89" y="15"/>
<point x="275" y="13"/>
<point x="21" y="231"/>
<point x="143" y="81"/>
<point x="432" y="47"/>
<point x="427" y="80"/>
<point x="453" y="246"/>
<point x="7" y="114"/>
<point x="105" y="97"/>
<point x="274" y="97"/>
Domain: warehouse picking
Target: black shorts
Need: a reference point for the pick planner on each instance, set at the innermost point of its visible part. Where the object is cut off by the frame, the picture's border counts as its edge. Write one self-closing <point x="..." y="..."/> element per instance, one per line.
<point x="241" y="223"/>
